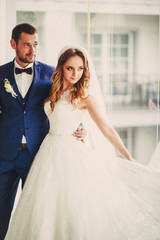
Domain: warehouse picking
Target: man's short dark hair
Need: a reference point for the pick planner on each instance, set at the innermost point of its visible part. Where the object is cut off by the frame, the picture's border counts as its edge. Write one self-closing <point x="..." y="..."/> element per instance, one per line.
<point x="23" y="27"/>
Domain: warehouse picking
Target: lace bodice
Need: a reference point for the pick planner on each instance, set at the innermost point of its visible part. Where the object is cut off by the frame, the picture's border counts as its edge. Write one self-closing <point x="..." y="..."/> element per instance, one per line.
<point x="65" y="119"/>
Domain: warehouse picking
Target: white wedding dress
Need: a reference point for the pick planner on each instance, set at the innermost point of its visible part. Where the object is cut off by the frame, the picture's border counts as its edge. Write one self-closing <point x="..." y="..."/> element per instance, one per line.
<point x="75" y="193"/>
<point x="155" y="158"/>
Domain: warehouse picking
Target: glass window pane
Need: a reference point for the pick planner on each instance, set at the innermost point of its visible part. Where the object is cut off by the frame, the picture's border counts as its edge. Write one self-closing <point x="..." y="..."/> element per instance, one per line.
<point x="97" y="65"/>
<point x="96" y="52"/>
<point x="113" y="64"/>
<point x="123" y="65"/>
<point x="119" y="84"/>
<point x="96" y="39"/>
<point x="124" y="52"/>
<point x="124" y="39"/>
<point x="116" y="39"/>
<point x="116" y="52"/>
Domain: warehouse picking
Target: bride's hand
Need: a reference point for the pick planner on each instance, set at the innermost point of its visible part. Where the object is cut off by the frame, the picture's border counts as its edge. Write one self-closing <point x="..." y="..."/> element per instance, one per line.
<point x="80" y="133"/>
<point x="135" y="161"/>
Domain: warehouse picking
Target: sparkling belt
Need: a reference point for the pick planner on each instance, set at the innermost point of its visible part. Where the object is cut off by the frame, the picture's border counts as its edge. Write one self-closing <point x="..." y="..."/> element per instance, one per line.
<point x="51" y="133"/>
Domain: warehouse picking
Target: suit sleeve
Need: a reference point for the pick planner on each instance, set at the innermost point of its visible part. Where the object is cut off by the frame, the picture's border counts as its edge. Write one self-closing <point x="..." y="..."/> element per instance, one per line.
<point x="0" y="106"/>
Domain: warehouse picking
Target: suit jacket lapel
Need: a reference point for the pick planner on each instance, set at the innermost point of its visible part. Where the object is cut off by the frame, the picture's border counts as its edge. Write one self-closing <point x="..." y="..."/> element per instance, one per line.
<point x="12" y="80"/>
<point x="34" y="85"/>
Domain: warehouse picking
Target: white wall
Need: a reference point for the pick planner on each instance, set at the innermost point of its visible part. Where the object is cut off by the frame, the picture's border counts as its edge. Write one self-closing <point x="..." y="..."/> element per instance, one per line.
<point x="10" y="24"/>
<point x="58" y="31"/>
<point x="2" y="31"/>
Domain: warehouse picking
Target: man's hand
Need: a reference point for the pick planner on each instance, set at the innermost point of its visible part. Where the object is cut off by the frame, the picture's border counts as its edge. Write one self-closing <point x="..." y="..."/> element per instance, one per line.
<point x="80" y="133"/>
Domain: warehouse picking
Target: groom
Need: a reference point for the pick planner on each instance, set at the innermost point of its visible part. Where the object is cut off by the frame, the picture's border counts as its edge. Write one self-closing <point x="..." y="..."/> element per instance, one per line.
<point x="24" y="84"/>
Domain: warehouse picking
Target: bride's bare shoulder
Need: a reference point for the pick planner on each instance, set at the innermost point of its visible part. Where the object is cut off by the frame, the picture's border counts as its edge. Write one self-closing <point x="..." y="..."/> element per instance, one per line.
<point x="87" y="101"/>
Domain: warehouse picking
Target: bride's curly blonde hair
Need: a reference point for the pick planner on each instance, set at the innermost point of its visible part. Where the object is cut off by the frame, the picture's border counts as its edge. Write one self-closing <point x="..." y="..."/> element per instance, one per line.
<point x="79" y="89"/>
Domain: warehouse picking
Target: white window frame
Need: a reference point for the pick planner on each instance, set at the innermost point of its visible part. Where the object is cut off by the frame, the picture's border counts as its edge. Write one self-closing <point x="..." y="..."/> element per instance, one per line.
<point x="106" y="70"/>
<point x="121" y="98"/>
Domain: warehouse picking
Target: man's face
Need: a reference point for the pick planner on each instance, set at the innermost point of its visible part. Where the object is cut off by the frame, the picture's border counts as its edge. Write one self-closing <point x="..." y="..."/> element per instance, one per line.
<point x="26" y="48"/>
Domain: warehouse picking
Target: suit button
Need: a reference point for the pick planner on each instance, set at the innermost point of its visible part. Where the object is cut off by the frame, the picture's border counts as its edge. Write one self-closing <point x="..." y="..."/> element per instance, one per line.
<point x="24" y="112"/>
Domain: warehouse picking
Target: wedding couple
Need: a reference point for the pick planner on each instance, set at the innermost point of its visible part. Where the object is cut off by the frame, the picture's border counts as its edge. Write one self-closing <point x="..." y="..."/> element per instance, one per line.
<point x="73" y="191"/>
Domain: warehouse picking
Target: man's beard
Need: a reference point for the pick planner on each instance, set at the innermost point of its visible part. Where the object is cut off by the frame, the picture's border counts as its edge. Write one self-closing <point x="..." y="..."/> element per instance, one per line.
<point x="23" y="59"/>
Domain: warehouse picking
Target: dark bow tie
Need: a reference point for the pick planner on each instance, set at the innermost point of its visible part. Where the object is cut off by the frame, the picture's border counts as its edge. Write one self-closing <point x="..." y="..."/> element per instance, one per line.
<point x="26" y="70"/>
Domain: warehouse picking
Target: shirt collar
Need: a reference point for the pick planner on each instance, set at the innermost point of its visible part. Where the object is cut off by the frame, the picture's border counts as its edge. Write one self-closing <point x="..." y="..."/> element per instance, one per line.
<point x="18" y="66"/>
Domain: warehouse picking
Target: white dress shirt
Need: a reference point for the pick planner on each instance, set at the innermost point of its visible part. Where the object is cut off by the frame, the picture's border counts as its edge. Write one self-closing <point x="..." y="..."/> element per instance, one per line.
<point x="23" y="81"/>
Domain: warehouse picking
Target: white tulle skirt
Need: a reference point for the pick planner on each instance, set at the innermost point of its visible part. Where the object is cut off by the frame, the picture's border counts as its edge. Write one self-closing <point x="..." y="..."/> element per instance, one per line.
<point x="74" y="193"/>
<point x="155" y="158"/>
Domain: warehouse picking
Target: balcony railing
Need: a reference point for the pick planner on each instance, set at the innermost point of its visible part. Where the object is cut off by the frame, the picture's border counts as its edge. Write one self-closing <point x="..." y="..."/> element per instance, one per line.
<point x="137" y="92"/>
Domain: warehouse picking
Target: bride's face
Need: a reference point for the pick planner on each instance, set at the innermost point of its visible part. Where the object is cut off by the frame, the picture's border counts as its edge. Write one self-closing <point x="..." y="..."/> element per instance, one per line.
<point x="72" y="71"/>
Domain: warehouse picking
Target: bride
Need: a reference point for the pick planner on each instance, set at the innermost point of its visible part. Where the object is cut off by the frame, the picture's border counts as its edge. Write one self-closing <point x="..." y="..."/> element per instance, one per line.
<point x="82" y="191"/>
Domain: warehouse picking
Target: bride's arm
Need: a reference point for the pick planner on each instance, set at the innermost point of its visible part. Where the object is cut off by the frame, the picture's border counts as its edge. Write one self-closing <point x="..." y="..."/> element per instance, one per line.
<point x="108" y="131"/>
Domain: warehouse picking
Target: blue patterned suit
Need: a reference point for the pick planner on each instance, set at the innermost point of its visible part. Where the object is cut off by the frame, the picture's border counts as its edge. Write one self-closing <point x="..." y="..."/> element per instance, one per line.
<point x="20" y="116"/>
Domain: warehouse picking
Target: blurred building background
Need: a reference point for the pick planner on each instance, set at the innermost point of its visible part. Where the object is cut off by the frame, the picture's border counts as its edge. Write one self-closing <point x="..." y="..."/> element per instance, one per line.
<point x="125" y="47"/>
